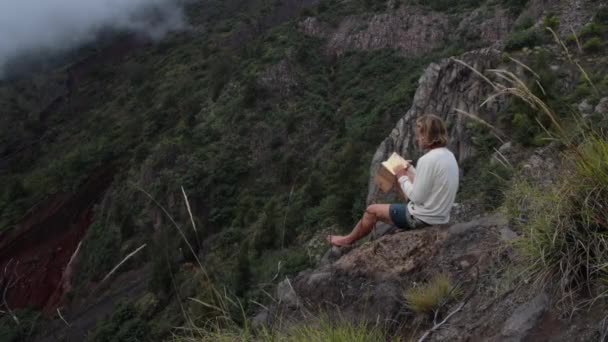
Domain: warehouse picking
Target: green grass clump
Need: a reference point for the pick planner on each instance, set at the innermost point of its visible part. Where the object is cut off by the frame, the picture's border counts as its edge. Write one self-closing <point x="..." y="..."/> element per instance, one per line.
<point x="565" y="225"/>
<point x="344" y="331"/>
<point x="318" y="330"/>
<point x="431" y="296"/>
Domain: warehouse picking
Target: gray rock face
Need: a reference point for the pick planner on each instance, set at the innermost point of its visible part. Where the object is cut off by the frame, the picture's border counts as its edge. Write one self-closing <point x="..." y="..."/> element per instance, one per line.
<point x="602" y="106"/>
<point x="585" y="107"/>
<point x="524" y="319"/>
<point x="572" y="13"/>
<point x="505" y="148"/>
<point x="443" y="88"/>
<point x="286" y="294"/>
<point x="412" y="30"/>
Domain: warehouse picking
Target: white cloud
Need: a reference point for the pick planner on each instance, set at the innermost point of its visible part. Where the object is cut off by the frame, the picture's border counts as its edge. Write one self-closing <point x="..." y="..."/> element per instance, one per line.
<point x="57" y="25"/>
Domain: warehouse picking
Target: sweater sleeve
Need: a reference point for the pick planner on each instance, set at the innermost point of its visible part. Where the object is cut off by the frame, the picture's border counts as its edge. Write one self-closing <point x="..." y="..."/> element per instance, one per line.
<point x="419" y="191"/>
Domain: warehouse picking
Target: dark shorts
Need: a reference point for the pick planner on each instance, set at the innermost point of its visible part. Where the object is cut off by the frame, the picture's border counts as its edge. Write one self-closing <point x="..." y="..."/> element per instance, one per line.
<point x="401" y="217"/>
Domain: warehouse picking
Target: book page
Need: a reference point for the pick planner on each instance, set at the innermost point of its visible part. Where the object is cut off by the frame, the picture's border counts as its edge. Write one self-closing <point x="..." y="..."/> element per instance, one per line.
<point x="393" y="161"/>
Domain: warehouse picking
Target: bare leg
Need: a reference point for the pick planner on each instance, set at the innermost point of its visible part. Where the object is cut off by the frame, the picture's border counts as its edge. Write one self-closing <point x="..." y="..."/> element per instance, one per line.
<point x="373" y="214"/>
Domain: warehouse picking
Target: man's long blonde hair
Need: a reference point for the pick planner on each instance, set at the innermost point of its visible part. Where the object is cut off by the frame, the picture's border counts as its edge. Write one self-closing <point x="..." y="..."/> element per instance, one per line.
<point x="432" y="130"/>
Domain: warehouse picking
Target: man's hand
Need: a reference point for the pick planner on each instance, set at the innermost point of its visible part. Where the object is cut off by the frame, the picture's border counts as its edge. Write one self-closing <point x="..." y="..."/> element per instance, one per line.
<point x="400" y="171"/>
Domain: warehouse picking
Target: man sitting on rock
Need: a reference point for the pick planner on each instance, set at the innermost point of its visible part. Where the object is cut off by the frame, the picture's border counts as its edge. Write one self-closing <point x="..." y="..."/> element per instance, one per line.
<point x="431" y="188"/>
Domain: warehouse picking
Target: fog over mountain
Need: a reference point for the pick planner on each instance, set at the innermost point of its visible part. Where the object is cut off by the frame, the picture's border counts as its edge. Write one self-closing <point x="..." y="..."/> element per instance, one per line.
<point x="56" y="25"/>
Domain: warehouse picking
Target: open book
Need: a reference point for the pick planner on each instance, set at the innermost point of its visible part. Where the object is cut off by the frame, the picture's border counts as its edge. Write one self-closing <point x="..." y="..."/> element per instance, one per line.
<point x="385" y="177"/>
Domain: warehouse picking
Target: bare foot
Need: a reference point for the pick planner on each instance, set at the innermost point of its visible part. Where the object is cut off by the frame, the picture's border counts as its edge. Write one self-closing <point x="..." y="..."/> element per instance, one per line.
<point x="338" y="240"/>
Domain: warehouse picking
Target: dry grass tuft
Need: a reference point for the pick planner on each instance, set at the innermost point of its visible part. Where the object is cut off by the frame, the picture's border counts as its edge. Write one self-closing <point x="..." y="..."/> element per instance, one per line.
<point x="429" y="297"/>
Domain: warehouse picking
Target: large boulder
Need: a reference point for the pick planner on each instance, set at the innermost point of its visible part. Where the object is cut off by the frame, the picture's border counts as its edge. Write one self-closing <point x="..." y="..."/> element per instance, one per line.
<point x="366" y="283"/>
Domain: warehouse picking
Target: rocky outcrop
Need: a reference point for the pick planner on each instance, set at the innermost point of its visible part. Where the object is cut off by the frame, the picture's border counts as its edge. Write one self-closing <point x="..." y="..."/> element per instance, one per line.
<point x="368" y="283"/>
<point x="484" y="26"/>
<point x="414" y="31"/>
<point x="444" y="88"/>
<point x="572" y="14"/>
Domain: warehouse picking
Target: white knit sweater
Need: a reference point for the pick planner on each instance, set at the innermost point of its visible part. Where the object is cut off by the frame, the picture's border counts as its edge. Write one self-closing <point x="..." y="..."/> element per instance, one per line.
<point x="433" y="191"/>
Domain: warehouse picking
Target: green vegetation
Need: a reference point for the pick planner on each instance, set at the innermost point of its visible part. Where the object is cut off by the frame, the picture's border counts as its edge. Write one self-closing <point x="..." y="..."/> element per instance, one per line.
<point x="485" y="179"/>
<point x="265" y="165"/>
<point x="20" y="325"/>
<point x="124" y="325"/>
<point x="258" y="159"/>
<point x="564" y="224"/>
<point x="322" y="329"/>
<point x="514" y="6"/>
<point x="592" y="36"/>
<point x="551" y="21"/>
<point x="594" y="44"/>
<point x="429" y="297"/>
<point x="522" y="39"/>
<point x="342" y="331"/>
<point x="563" y="221"/>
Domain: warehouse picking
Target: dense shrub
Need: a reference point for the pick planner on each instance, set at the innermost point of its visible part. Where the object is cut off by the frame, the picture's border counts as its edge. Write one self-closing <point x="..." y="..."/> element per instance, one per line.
<point x="514" y="6"/>
<point x="124" y="325"/>
<point x="593" y="45"/>
<point x="551" y="21"/>
<point x="22" y="331"/>
<point x="99" y="252"/>
<point x="521" y="39"/>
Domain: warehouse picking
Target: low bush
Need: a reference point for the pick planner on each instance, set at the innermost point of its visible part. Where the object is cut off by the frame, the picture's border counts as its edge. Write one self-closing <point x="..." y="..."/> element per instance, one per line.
<point x="20" y="325"/>
<point x="124" y="325"/>
<point x="515" y="6"/>
<point x="100" y="251"/>
<point x="593" y="45"/>
<point x="551" y="21"/>
<point x="521" y="39"/>
<point x="590" y="30"/>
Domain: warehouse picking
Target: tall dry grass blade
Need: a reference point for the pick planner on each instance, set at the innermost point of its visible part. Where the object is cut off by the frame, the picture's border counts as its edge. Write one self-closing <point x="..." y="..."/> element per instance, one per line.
<point x="513" y="78"/>
<point x="211" y="306"/>
<point x="129" y="256"/>
<point x="578" y="42"/>
<point x="493" y="129"/>
<point x="181" y="232"/>
<point x="62" y="318"/>
<point x="493" y="97"/>
<point x="542" y="89"/>
<point x="523" y="65"/>
<point x="561" y="43"/>
<point x="189" y="211"/>
<point x="502" y="159"/>
<point x="569" y="56"/>
<point x="476" y="72"/>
